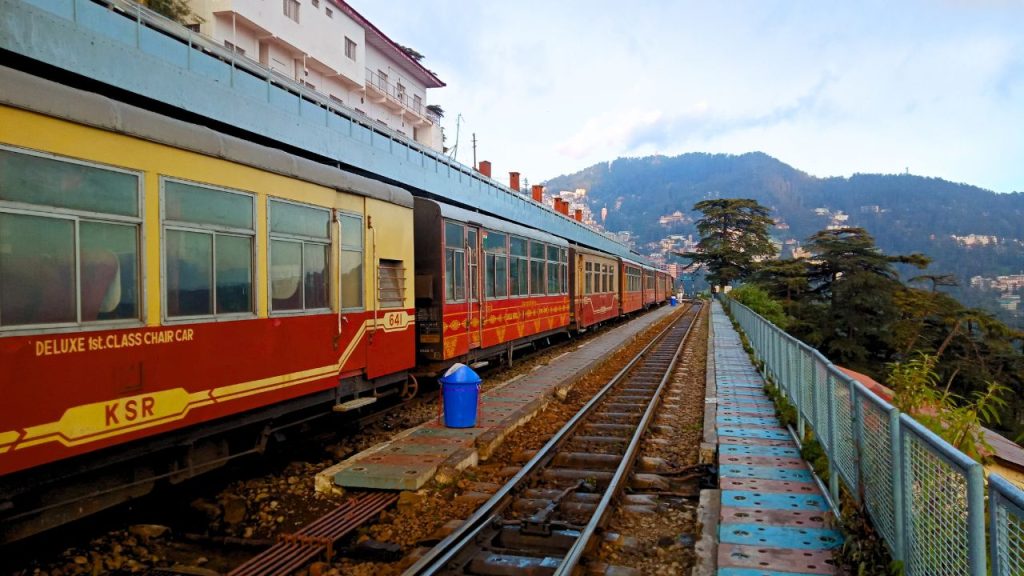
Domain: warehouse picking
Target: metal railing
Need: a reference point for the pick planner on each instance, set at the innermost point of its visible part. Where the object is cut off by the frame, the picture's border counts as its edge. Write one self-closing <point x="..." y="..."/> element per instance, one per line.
<point x="925" y="497"/>
<point x="393" y="92"/>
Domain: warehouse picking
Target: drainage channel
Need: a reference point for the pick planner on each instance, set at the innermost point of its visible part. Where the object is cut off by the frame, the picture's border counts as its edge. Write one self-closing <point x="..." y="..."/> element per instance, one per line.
<point x="542" y="520"/>
<point x="293" y="551"/>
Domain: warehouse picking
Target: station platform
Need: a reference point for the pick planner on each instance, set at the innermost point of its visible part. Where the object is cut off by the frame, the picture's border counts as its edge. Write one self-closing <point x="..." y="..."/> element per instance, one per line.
<point x="773" y="519"/>
<point x="414" y="457"/>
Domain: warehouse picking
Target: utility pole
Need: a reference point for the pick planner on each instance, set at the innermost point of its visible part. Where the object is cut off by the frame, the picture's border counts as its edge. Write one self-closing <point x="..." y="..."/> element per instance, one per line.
<point x="474" y="150"/>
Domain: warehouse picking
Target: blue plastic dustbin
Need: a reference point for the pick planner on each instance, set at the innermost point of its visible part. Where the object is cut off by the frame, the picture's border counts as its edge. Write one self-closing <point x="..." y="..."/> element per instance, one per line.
<point x="672" y="300"/>
<point x="460" y="392"/>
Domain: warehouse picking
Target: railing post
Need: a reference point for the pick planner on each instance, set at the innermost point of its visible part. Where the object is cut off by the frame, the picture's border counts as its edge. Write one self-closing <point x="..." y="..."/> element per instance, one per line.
<point x="976" y="520"/>
<point x="896" y="466"/>
<point x="799" y="391"/>
<point x="857" y="412"/>
<point x="833" y="470"/>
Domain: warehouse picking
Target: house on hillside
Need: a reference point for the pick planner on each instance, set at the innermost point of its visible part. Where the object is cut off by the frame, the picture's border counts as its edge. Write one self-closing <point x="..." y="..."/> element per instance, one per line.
<point x="329" y="47"/>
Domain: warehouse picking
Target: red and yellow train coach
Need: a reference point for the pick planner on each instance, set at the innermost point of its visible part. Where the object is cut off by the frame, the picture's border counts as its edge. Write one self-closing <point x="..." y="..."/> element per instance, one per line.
<point x="594" y="278"/>
<point x="632" y="298"/>
<point x="155" y="275"/>
<point x="484" y="286"/>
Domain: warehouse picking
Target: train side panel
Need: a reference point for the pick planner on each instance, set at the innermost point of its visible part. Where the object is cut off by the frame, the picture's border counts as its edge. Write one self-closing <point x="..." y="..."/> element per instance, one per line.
<point x="131" y="362"/>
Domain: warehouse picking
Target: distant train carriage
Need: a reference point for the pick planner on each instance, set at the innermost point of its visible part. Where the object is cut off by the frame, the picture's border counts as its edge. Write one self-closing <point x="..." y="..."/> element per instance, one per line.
<point x="484" y="286"/>
<point x="594" y="278"/>
<point x="160" y="275"/>
<point x="648" y="288"/>
<point x="632" y="297"/>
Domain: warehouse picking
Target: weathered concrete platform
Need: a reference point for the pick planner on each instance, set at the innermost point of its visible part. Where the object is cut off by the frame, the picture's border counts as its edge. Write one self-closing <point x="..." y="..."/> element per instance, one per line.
<point x="773" y="519"/>
<point x="414" y="457"/>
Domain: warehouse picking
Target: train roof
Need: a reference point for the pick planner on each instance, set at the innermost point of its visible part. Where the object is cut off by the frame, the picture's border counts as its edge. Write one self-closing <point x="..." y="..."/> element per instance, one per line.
<point x="492" y="223"/>
<point x="43" y="96"/>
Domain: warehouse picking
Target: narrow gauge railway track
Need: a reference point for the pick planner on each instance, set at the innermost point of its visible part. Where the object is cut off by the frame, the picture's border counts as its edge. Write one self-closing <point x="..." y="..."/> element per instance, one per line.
<point x="542" y="520"/>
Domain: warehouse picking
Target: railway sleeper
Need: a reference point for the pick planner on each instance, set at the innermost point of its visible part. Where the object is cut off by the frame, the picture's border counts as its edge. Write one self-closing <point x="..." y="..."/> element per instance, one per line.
<point x="618" y="416"/>
<point x="588" y="460"/>
<point x="604" y="429"/>
<point x="493" y="564"/>
<point x="563" y="476"/>
<point x="621" y="406"/>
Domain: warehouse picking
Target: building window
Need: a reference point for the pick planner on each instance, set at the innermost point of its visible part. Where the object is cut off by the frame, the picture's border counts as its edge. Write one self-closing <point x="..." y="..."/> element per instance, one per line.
<point x="417" y="103"/>
<point x="291" y="9"/>
<point x="495" y="265"/>
<point x="400" y="92"/>
<point x="351" y="261"/>
<point x="350" y="47"/>
<point x="299" y="251"/>
<point x="194" y="27"/>
<point x="69" y="242"/>
<point x="234" y="48"/>
<point x="316" y="3"/>
<point x="208" y="248"/>
<point x="330" y="13"/>
<point x="518" y="267"/>
<point x="536" y="268"/>
<point x="391" y="284"/>
<point x="454" y="262"/>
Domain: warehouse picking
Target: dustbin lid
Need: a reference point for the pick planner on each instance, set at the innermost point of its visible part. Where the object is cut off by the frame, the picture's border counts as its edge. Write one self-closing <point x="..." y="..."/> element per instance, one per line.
<point x="460" y="374"/>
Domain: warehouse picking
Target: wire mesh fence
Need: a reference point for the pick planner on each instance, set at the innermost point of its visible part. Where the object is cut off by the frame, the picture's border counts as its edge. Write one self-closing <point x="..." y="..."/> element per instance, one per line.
<point x="925" y="497"/>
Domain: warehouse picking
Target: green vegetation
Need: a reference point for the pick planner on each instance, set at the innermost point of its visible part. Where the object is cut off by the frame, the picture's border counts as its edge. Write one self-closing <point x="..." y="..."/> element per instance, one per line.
<point x="177" y="10"/>
<point x="734" y="236"/>
<point x="758" y="300"/>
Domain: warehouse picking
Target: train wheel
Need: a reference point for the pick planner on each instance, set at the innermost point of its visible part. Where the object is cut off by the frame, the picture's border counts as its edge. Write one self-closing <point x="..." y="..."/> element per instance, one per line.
<point x="410" y="388"/>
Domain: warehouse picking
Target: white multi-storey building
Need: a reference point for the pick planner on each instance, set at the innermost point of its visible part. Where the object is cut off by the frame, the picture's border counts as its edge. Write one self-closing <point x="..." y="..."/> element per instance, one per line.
<point x="329" y="47"/>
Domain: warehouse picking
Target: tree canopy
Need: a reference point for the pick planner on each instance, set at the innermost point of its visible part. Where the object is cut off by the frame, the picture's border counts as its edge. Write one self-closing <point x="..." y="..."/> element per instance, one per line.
<point x="734" y="237"/>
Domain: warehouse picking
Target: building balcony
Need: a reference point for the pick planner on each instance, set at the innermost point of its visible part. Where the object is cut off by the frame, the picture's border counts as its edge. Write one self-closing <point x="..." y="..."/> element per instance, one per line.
<point x="381" y="91"/>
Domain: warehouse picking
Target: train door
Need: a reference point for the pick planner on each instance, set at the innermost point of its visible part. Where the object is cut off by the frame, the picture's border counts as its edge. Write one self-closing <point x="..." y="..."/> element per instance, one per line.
<point x="475" y="307"/>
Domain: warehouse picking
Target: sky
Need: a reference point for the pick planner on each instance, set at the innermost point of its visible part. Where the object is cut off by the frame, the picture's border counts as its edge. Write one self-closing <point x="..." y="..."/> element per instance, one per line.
<point x="934" y="88"/>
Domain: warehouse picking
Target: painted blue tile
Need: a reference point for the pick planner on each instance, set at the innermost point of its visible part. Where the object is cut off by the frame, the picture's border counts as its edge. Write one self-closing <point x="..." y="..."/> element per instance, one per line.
<point x="756" y="572"/>
<point x="773" y="500"/>
<point x="764" y="472"/>
<point x="753" y="433"/>
<point x="780" y="536"/>
<point x="786" y="451"/>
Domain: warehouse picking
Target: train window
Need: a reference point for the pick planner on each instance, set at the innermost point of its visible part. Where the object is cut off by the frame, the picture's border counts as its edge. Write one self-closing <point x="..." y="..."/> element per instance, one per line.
<point x="589" y="278"/>
<point x="519" y="267"/>
<point x="299" y="244"/>
<point x="391" y="284"/>
<point x="554" y="273"/>
<point x="78" y="263"/>
<point x="59" y="183"/>
<point x="454" y="262"/>
<point x="351" y="261"/>
<point x="565" y="271"/>
<point x="208" y="243"/>
<point x="536" y="268"/>
<point x="472" y="250"/>
<point x="496" y="265"/>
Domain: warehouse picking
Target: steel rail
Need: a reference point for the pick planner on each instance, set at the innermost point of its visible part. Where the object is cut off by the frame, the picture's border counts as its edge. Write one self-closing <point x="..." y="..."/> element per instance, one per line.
<point x="575" y="553"/>
<point x="437" y="558"/>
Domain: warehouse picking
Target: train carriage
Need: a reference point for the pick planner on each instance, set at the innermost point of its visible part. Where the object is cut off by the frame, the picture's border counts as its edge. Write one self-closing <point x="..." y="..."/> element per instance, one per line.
<point x="649" y="276"/>
<point x="631" y="286"/>
<point x="156" y="275"/>
<point x="484" y="286"/>
<point x="594" y="278"/>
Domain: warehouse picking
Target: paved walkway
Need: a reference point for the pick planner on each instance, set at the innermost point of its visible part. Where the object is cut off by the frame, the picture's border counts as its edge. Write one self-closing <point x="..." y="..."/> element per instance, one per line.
<point x="774" y="520"/>
<point x="412" y="458"/>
